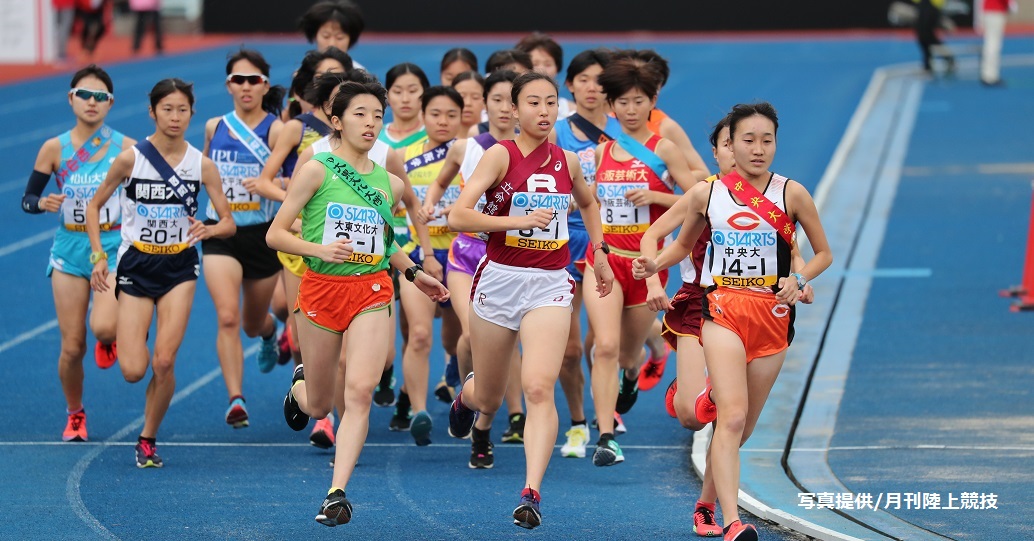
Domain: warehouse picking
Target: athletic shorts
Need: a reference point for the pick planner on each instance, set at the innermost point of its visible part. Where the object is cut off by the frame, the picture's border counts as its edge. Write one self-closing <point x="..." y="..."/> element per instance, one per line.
<point x="70" y="253"/>
<point x="634" y="290"/>
<point x="332" y="302"/>
<point x="502" y="294"/>
<point x="442" y="255"/>
<point x="465" y="253"/>
<point x="578" y="242"/>
<point x="293" y="264"/>
<point x="248" y="246"/>
<point x="684" y="319"/>
<point x="764" y="326"/>
<point x="152" y="276"/>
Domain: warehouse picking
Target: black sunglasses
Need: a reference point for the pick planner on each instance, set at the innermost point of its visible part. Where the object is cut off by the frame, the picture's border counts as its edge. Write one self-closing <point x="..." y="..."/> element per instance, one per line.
<point x="240" y="78"/>
<point x="99" y="95"/>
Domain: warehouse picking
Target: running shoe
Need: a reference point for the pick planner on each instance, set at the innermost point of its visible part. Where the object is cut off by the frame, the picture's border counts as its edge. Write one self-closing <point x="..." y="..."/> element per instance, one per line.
<point x="420" y="428"/>
<point x="335" y="509"/>
<point x="322" y="435"/>
<point x="106" y="355"/>
<point x="703" y="522"/>
<point x="147" y="455"/>
<point x="237" y="413"/>
<point x="403" y="416"/>
<point x="669" y="397"/>
<point x="296" y="418"/>
<point x="619" y="425"/>
<point x="283" y="345"/>
<point x="628" y="392"/>
<point x="738" y="531"/>
<point x="481" y="457"/>
<point x="75" y="428"/>
<point x="461" y="418"/>
<point x="704" y="408"/>
<point x="384" y="394"/>
<point x="443" y="392"/>
<point x="515" y="432"/>
<point x="452" y="372"/>
<point x="608" y="452"/>
<point x="577" y="437"/>
<point x="652" y="371"/>
<point x="268" y="354"/>
<point x="527" y="514"/>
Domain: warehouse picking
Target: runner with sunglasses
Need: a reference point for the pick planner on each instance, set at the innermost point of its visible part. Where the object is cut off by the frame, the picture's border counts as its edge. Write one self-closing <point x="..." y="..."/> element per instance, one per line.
<point x="242" y="266"/>
<point x="80" y="158"/>
<point x="161" y="179"/>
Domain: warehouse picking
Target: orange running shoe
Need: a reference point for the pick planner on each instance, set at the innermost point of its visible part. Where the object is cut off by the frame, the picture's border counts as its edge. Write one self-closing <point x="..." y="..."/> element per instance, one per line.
<point x="669" y="397"/>
<point x="105" y="354"/>
<point x="322" y="435"/>
<point x="738" y="531"/>
<point x="75" y="429"/>
<point x="704" y="408"/>
<point x="653" y="370"/>
<point x="703" y="521"/>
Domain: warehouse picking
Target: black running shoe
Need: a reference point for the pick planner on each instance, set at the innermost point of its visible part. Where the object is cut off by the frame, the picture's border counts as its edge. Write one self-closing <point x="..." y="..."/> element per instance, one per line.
<point x="296" y="418"/>
<point x="403" y="417"/>
<point x="527" y="514"/>
<point x="481" y="457"/>
<point x="515" y="432"/>
<point x="461" y="418"/>
<point x="147" y="455"/>
<point x="627" y="394"/>
<point x="443" y="392"/>
<point x="384" y="394"/>
<point x="335" y="510"/>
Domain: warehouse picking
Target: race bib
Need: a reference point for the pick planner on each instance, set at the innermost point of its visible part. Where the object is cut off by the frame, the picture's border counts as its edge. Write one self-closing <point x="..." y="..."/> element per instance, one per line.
<point x="363" y="225"/>
<point x="73" y="209"/>
<point x="439" y="225"/>
<point x="163" y="229"/>
<point x="619" y="215"/>
<point x="240" y="199"/>
<point x="554" y="235"/>
<point x="744" y="258"/>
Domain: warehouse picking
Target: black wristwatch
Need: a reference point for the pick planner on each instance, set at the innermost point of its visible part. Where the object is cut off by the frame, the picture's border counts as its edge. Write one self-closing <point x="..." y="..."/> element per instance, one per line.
<point x="601" y="246"/>
<point x="411" y="272"/>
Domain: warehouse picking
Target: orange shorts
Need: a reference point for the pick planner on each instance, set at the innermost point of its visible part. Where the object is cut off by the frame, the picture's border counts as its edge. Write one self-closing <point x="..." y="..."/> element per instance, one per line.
<point x="332" y="302"/>
<point x="685" y="319"/>
<point x="764" y="326"/>
<point x="634" y="290"/>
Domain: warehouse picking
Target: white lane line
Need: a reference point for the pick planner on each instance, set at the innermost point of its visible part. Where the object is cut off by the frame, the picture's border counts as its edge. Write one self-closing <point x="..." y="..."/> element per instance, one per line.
<point x="26" y="242"/>
<point x="75" y="477"/>
<point x="28" y="335"/>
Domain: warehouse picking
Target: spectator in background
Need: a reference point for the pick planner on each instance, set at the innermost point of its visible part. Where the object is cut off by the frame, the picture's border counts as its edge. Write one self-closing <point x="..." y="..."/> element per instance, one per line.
<point x="147" y="10"/>
<point x="927" y="21"/>
<point x="91" y="13"/>
<point x="994" y="14"/>
<point x="64" y="16"/>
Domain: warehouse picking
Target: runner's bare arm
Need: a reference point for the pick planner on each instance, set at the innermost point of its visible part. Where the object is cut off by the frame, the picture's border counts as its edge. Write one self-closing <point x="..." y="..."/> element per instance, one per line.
<point x="649" y="263"/>
<point x="307" y="179"/>
<point x="121" y="168"/>
<point x="213" y="185"/>
<point x="265" y="184"/>
<point x="673" y="132"/>
<point x="586" y="199"/>
<point x="47" y="161"/>
<point x="445" y="178"/>
<point x="490" y="170"/>
<point x="802" y="209"/>
<point x="210" y="127"/>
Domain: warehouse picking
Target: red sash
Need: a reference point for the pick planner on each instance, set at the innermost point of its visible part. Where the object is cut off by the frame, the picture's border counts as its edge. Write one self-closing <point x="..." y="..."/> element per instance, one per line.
<point x="515" y="180"/>
<point x="748" y="195"/>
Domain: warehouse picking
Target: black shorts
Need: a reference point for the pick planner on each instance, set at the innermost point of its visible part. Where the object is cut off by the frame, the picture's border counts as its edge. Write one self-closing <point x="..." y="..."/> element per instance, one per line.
<point x="152" y="276"/>
<point x="248" y="246"/>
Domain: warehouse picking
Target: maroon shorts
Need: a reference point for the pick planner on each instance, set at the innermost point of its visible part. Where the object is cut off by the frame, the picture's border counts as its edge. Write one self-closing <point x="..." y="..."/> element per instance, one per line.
<point x="686" y="316"/>
<point x="635" y="290"/>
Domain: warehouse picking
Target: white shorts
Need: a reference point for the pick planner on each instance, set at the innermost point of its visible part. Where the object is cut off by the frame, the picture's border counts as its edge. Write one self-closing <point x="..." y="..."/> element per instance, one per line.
<point x="502" y="294"/>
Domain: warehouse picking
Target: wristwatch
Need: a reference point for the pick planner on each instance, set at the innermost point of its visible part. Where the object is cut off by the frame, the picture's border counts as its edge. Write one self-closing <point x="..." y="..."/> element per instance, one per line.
<point x="801" y="281"/>
<point x="97" y="256"/>
<point x="411" y="272"/>
<point x="601" y="246"/>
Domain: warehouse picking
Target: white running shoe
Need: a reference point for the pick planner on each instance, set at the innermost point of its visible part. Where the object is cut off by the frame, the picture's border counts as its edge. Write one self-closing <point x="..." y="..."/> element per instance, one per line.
<point x="577" y="437"/>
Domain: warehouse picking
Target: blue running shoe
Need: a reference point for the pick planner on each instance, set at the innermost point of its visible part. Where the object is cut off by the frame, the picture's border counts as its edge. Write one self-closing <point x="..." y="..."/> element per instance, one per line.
<point x="452" y="372"/>
<point x="237" y="413"/>
<point x="461" y="418"/>
<point x="527" y="514"/>
<point x="269" y="352"/>
<point x="420" y="428"/>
